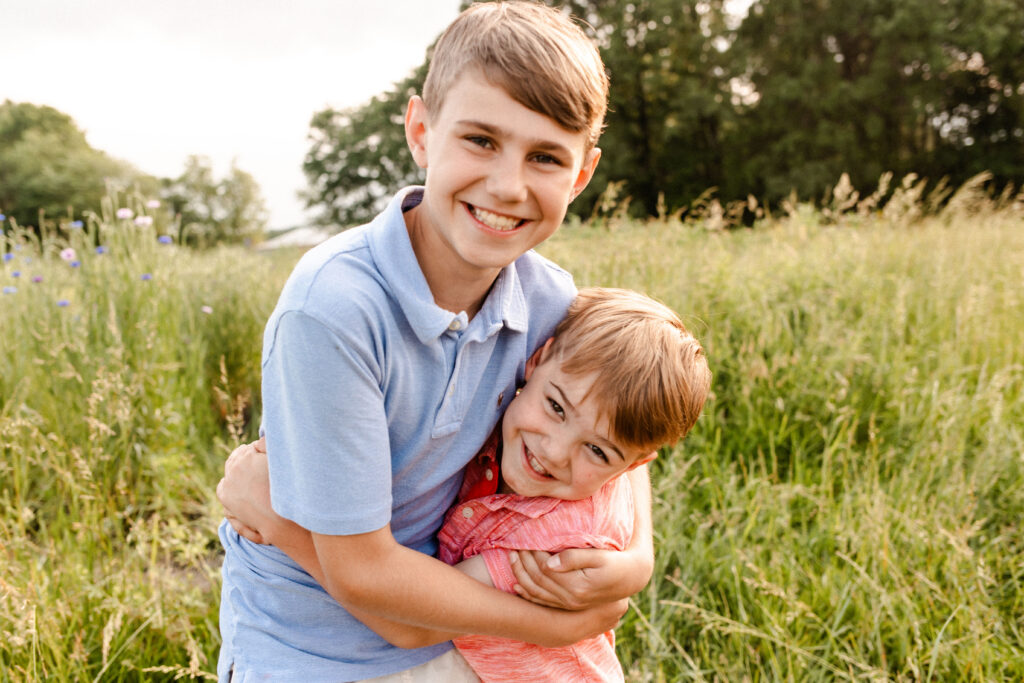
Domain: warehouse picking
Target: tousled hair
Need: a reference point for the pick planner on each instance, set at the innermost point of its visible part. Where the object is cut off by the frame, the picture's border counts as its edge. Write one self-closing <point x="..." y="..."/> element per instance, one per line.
<point x="535" y="53"/>
<point x="651" y="374"/>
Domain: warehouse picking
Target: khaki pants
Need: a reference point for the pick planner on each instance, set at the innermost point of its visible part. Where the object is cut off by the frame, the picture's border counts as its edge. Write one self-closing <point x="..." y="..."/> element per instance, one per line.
<point x="448" y="668"/>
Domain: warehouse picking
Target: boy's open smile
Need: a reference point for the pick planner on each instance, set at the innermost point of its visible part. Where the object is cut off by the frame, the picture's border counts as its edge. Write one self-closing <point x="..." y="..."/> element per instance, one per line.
<point x="495" y="221"/>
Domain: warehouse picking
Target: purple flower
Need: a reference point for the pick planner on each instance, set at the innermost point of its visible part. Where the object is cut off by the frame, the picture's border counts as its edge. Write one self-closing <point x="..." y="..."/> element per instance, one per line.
<point x="16" y="273"/>
<point x="101" y="250"/>
<point x="146" y="276"/>
<point x="63" y="303"/>
<point x="76" y="225"/>
<point x="125" y="213"/>
<point x="8" y="256"/>
<point x="68" y="254"/>
<point x="37" y="278"/>
<point x="2" y="217"/>
<point x="10" y="290"/>
<point x="164" y="239"/>
<point x="144" y="221"/>
<point x="75" y="264"/>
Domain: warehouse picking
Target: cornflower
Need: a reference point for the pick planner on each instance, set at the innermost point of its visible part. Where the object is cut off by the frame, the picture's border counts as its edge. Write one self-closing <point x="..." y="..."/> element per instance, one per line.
<point x="10" y="290"/>
<point x="146" y="276"/>
<point x="101" y="249"/>
<point x="63" y="303"/>
<point x="164" y="239"/>
<point x="68" y="254"/>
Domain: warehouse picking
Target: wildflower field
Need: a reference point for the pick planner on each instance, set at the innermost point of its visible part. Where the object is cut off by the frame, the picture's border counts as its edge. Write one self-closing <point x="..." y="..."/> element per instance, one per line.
<point x="848" y="508"/>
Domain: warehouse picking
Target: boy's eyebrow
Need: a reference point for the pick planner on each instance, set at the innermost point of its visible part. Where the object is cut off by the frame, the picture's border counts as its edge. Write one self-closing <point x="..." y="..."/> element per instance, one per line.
<point x="567" y="402"/>
<point x="497" y="131"/>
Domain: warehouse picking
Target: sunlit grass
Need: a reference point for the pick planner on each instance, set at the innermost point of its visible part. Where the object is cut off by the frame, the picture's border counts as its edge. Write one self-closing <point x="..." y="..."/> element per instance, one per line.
<point x="848" y="508"/>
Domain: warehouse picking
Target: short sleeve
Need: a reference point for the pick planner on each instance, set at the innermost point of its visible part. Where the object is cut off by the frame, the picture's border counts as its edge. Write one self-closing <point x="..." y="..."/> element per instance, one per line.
<point x="326" y="430"/>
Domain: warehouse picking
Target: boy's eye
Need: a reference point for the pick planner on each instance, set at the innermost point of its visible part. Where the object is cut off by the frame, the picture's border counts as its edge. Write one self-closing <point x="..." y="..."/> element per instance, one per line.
<point x="547" y="159"/>
<point x="596" y="450"/>
<point x="556" y="408"/>
<point x="480" y="141"/>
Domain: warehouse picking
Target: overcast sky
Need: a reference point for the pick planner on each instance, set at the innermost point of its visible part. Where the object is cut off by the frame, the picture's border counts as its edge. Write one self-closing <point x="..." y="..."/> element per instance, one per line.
<point x="154" y="81"/>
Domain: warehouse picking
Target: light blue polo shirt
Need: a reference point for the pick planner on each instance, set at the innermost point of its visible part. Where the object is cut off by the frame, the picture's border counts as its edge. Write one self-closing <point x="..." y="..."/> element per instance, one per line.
<point x="374" y="399"/>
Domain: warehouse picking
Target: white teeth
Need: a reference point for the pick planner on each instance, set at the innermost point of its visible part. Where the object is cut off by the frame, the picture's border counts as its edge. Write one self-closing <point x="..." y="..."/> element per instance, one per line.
<point x="493" y="220"/>
<point x="536" y="466"/>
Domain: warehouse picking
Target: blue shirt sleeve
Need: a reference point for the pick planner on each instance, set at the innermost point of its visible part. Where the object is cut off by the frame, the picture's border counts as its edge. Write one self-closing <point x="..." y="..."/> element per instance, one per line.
<point x="326" y="429"/>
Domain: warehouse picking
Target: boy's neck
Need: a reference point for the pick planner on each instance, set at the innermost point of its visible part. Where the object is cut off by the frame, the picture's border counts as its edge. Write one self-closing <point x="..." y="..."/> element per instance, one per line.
<point x="454" y="286"/>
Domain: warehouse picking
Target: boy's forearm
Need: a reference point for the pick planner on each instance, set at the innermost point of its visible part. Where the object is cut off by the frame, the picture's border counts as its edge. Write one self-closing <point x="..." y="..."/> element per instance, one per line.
<point x="373" y="574"/>
<point x="297" y="543"/>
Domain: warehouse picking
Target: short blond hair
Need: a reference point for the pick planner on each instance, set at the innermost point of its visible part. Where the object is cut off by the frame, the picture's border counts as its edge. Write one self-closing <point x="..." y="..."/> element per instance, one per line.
<point x="535" y="53"/>
<point x="652" y="376"/>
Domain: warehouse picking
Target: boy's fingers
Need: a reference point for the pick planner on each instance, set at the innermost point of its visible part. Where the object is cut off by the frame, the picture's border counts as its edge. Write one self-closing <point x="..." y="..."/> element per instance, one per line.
<point x="537" y="583"/>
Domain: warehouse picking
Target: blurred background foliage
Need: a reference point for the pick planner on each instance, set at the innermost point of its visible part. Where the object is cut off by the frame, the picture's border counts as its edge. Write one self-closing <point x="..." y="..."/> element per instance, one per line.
<point x="51" y="176"/>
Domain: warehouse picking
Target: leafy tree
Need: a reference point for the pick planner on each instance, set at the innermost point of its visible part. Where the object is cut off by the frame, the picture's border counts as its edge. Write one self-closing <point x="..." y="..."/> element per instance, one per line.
<point x="925" y="86"/>
<point x="209" y="210"/>
<point x="359" y="156"/>
<point x="48" y="167"/>
<point x="669" y="97"/>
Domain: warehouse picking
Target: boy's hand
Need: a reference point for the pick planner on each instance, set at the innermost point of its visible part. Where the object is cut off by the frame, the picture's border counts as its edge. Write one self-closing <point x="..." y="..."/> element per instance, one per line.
<point x="576" y="579"/>
<point x="244" y="491"/>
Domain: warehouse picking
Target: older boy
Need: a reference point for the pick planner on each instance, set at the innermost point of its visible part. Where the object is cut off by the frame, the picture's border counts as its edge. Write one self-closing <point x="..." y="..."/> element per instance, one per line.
<point x="395" y="347"/>
<point x="621" y="377"/>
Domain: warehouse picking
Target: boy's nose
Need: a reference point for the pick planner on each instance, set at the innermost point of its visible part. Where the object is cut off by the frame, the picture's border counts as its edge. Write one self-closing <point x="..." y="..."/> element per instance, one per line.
<point x="507" y="182"/>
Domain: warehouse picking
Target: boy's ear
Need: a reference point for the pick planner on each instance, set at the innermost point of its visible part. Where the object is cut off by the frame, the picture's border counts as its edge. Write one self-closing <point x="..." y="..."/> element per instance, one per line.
<point x="537" y="358"/>
<point x="586" y="172"/>
<point x="643" y="461"/>
<point x="416" y="129"/>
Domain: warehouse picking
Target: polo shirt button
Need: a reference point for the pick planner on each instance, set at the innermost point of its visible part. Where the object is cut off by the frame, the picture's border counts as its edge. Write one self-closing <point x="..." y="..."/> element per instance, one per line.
<point x="456" y="325"/>
<point x="489" y="475"/>
<point x="467" y="512"/>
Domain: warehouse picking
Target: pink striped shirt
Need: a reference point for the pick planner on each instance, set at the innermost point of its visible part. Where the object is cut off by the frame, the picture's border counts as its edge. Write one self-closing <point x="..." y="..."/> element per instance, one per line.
<point x="483" y="522"/>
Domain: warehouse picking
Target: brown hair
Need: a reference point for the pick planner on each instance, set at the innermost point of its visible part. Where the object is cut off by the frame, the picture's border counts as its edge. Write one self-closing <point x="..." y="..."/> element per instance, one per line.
<point x="535" y="53"/>
<point x="652" y="376"/>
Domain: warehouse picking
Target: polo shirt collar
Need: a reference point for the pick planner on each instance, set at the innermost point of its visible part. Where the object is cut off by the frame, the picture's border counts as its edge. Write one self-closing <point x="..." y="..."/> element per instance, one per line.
<point x="393" y="255"/>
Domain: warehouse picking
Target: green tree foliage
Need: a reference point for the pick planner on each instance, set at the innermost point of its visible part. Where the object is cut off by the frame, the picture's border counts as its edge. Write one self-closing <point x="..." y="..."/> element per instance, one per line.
<point x="209" y="210"/>
<point x="669" y="97"/>
<point x="46" y="165"/>
<point x="358" y="157"/>
<point x="925" y="86"/>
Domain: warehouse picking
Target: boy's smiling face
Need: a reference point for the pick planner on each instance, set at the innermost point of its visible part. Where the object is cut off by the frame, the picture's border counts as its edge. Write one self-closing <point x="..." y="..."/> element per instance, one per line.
<point x="555" y="440"/>
<point x="500" y="177"/>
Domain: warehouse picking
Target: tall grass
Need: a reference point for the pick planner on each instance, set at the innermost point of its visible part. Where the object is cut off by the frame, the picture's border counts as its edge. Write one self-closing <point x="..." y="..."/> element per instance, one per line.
<point x="848" y="508"/>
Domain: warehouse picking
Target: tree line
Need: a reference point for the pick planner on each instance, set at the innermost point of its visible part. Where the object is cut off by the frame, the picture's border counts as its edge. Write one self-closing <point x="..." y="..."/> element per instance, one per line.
<point x="783" y="100"/>
<point x="50" y="175"/>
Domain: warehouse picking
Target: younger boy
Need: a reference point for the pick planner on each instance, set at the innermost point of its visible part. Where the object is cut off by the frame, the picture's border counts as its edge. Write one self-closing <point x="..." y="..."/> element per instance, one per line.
<point x="395" y="347"/>
<point x="621" y="377"/>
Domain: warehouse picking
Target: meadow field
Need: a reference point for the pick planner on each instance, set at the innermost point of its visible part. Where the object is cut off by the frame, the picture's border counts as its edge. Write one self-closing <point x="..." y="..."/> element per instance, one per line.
<point x="848" y="508"/>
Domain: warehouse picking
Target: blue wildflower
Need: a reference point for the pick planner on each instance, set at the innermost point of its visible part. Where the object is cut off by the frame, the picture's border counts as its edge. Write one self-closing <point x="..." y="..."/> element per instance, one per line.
<point x="76" y="224"/>
<point x="63" y="303"/>
<point x="16" y="273"/>
<point x="147" y="276"/>
<point x="101" y="249"/>
<point x="8" y="256"/>
<point x="164" y="239"/>
<point x="10" y="290"/>
<point x="2" y="217"/>
<point x="75" y="264"/>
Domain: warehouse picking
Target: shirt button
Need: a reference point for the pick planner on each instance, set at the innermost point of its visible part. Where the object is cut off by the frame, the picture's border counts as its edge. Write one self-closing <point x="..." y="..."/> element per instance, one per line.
<point x="467" y="512"/>
<point x="455" y="325"/>
<point x="489" y="475"/>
